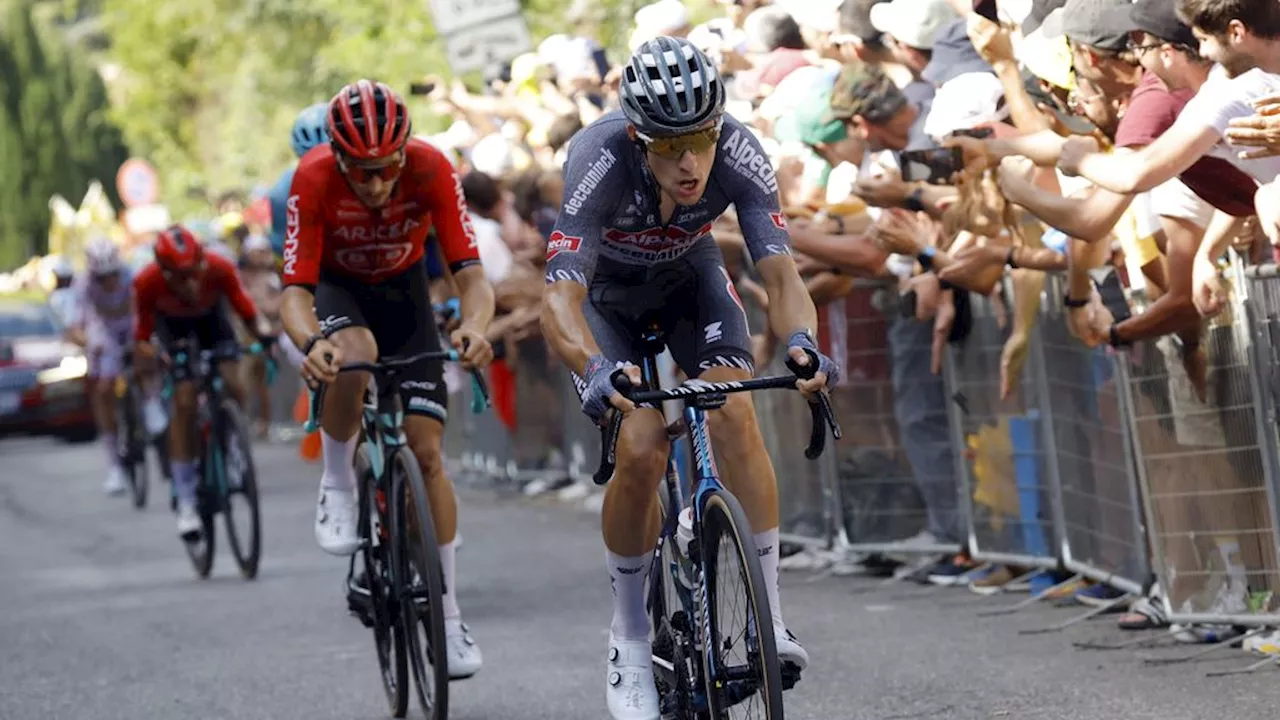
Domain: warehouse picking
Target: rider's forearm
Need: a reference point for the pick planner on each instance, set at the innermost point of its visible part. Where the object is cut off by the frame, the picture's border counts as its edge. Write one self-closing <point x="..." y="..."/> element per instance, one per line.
<point x="790" y="307"/>
<point x="565" y="327"/>
<point x="298" y="315"/>
<point x="475" y="296"/>
<point x="1222" y="229"/>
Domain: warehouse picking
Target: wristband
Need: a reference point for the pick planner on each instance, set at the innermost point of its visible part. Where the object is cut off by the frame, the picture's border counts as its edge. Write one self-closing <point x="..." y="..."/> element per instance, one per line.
<point x="1009" y="260"/>
<point x="1113" y="338"/>
<point x="839" y="224"/>
<point x="1066" y="300"/>
<point x="311" y="343"/>
<point x="926" y="258"/>
<point x="914" y="201"/>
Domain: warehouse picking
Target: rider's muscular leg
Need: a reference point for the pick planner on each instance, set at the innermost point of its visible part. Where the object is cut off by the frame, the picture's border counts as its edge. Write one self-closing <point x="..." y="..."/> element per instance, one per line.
<point x="103" y="401"/>
<point x="629" y="517"/>
<point x="343" y="402"/>
<point x="182" y="443"/>
<point x="425" y="434"/>
<point x="748" y="472"/>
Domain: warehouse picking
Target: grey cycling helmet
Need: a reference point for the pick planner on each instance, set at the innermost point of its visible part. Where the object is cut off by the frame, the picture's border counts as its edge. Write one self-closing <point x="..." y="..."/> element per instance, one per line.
<point x="670" y="87"/>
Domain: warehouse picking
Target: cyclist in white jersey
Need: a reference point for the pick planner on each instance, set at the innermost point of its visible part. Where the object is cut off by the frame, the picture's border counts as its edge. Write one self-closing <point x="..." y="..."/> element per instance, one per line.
<point x="632" y="246"/>
<point x="100" y="320"/>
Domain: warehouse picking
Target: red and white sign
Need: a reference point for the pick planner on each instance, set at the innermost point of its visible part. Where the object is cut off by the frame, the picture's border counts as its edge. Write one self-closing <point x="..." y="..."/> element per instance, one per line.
<point x="137" y="183"/>
<point x="559" y="242"/>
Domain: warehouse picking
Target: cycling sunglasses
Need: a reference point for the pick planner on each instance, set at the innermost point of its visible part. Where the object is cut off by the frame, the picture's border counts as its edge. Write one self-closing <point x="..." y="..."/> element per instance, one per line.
<point x="675" y="146"/>
<point x="363" y="174"/>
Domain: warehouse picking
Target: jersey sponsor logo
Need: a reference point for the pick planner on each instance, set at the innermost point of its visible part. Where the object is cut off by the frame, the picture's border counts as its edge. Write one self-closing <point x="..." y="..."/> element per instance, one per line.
<point x="750" y="162"/>
<point x="367" y="233"/>
<point x="417" y="385"/>
<point x="351" y="215"/>
<point x="778" y="249"/>
<point x="372" y="259"/>
<point x="559" y="242"/>
<point x="779" y="220"/>
<point x="564" y="275"/>
<point x="726" y="361"/>
<point x="292" y="222"/>
<point x="427" y="405"/>
<point x="656" y="239"/>
<point x="590" y="181"/>
<point x="467" y="228"/>
<point x="713" y="331"/>
<point x="333" y="323"/>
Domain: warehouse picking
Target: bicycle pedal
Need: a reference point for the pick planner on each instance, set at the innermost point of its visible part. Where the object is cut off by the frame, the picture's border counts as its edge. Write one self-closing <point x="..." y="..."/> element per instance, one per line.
<point x="790" y="675"/>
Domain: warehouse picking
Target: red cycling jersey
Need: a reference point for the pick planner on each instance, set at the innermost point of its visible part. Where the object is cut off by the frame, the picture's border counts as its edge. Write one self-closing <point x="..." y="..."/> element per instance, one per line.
<point x="153" y="296"/>
<point x="328" y="229"/>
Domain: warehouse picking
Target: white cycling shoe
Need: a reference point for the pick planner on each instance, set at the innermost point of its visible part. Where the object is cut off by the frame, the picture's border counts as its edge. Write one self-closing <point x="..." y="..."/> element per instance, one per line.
<point x="189" y="524"/>
<point x="115" y="484"/>
<point x="463" y="653"/>
<point x="629" y="685"/>
<point x="789" y="648"/>
<point x="336" y="521"/>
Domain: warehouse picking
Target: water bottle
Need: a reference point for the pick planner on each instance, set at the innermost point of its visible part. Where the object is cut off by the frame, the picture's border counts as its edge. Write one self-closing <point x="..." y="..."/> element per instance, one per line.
<point x="684" y="537"/>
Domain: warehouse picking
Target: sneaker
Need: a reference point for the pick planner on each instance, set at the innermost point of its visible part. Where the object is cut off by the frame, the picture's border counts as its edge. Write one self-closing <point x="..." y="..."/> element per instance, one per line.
<point x="951" y="571"/>
<point x="115" y="484"/>
<point x="189" y="524"/>
<point x="336" y="527"/>
<point x="463" y="654"/>
<point x="789" y="648"/>
<point x="1060" y="593"/>
<point x="990" y="581"/>
<point x="1204" y="634"/>
<point x="1267" y="643"/>
<point x="629" y="687"/>
<point x="1099" y="595"/>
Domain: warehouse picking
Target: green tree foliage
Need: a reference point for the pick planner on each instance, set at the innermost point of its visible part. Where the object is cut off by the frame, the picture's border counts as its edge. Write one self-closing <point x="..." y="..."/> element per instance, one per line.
<point x="54" y="134"/>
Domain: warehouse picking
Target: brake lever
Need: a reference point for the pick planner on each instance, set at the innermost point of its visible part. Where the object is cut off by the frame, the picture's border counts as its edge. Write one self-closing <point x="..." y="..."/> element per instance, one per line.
<point x="609" y="434"/>
<point x="822" y="414"/>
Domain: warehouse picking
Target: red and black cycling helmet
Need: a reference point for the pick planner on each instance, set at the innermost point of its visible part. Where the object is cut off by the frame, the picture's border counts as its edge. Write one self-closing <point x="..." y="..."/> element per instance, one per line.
<point x="177" y="250"/>
<point x="368" y="121"/>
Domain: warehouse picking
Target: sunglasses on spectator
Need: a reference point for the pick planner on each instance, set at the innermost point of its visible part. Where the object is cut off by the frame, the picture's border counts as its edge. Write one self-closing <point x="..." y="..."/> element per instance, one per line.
<point x="362" y="174"/>
<point x="675" y="146"/>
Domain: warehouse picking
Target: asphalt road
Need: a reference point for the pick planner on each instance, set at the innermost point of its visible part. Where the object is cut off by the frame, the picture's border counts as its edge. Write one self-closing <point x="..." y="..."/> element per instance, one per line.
<point x="102" y="618"/>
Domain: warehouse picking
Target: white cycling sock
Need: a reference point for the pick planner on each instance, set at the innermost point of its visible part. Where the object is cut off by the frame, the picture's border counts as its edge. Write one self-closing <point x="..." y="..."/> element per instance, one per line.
<point x="109" y="444"/>
<point x="450" y="599"/>
<point x="184" y="482"/>
<point x="767" y="549"/>
<point x="338" y="456"/>
<point x="627" y="576"/>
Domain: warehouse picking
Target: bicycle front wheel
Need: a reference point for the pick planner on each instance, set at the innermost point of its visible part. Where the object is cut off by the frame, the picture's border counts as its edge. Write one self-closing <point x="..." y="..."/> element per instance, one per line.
<point x="240" y="491"/>
<point x="420" y="580"/>
<point x="133" y="450"/>
<point x="743" y="678"/>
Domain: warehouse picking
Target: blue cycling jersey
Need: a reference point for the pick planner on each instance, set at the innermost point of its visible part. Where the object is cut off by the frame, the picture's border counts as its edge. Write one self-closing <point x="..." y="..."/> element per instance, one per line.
<point x="278" y="196"/>
<point x="609" y="223"/>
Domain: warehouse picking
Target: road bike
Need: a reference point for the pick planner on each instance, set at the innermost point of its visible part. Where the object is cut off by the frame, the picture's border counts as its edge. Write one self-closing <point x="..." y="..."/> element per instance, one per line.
<point x="131" y="432"/>
<point x="401" y="577"/>
<point x="694" y="640"/>
<point x="225" y="473"/>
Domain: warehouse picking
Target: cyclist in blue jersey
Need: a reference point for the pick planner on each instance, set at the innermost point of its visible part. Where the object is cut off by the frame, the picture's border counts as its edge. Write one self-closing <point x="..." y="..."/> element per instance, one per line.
<point x="309" y="130"/>
<point x="633" y="246"/>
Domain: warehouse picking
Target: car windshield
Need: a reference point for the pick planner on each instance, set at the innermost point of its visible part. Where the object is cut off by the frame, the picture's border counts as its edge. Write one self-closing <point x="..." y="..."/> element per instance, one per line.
<point x="26" y="320"/>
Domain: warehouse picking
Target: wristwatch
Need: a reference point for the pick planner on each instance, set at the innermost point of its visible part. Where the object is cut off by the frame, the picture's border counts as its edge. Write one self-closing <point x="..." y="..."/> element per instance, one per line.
<point x="1010" y="260"/>
<point x="311" y="343"/>
<point x="1113" y="338"/>
<point x="926" y="258"/>
<point x="915" y="200"/>
<point x="1066" y="300"/>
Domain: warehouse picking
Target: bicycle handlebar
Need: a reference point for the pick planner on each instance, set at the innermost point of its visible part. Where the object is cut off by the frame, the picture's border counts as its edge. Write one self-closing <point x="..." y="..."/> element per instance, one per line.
<point x="822" y="415"/>
<point x="386" y="366"/>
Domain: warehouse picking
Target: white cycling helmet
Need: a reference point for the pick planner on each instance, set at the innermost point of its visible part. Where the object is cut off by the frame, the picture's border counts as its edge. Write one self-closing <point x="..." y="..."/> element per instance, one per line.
<point x="102" y="257"/>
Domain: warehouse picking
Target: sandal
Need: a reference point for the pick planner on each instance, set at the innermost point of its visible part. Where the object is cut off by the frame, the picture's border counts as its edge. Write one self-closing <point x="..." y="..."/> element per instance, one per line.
<point x="1144" y="614"/>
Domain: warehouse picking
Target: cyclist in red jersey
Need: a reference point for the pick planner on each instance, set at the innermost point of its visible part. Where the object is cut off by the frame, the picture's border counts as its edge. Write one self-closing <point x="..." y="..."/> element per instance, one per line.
<point x="357" y="219"/>
<point x="179" y="297"/>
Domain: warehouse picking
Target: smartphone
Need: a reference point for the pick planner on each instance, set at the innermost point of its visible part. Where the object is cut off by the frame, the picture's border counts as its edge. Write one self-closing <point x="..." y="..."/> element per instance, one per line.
<point x="979" y="133"/>
<point x="934" y="166"/>
<point x="1107" y="281"/>
<point x="987" y="9"/>
<point x="422" y="88"/>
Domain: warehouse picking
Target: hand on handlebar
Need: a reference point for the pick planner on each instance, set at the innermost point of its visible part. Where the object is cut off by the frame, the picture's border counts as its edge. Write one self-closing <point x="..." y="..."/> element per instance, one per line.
<point x="600" y="393"/>
<point x="476" y="352"/>
<point x="322" y="363"/>
<point x="802" y="350"/>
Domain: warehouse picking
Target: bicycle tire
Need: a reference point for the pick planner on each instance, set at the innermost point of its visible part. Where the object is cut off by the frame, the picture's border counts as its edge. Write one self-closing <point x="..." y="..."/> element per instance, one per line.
<point x="133" y="461"/>
<point x="248" y="555"/>
<point x="415" y="534"/>
<point x="202" y="551"/>
<point x="723" y="521"/>
<point x="388" y="635"/>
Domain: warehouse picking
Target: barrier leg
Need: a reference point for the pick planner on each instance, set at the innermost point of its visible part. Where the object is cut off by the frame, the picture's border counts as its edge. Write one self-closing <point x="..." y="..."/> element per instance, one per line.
<point x="1029" y="601"/>
<point x="1273" y="661"/>
<point x="1208" y="650"/>
<point x="1093" y="612"/>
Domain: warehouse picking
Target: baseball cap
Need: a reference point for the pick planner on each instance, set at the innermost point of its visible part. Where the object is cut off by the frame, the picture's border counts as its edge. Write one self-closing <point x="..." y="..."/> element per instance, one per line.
<point x="1090" y="22"/>
<point x="819" y="15"/>
<point x="966" y="102"/>
<point x="1158" y="18"/>
<point x="865" y="90"/>
<point x="1040" y="9"/>
<point x="808" y="123"/>
<point x="913" y="23"/>
<point x="953" y="55"/>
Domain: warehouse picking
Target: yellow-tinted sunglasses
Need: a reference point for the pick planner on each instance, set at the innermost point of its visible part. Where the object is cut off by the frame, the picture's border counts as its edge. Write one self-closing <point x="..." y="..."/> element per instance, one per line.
<point x="675" y="146"/>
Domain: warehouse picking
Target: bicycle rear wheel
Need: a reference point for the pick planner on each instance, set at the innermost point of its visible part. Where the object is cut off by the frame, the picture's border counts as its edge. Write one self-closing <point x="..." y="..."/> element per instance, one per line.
<point x="377" y="557"/>
<point x="134" y="440"/>
<point x="743" y="679"/>
<point x="240" y="491"/>
<point x="421" y="584"/>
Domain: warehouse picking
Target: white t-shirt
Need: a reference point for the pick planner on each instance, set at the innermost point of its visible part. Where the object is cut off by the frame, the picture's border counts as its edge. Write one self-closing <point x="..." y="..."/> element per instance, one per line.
<point x="1220" y="100"/>
<point x="495" y="256"/>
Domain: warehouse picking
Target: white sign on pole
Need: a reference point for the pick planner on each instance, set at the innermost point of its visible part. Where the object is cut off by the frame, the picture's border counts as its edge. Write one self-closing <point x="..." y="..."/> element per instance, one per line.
<point x="452" y="15"/>
<point x="493" y="42"/>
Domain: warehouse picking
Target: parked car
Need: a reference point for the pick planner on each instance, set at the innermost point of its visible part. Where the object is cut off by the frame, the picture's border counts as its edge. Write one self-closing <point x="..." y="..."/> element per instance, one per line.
<point x="43" y="385"/>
